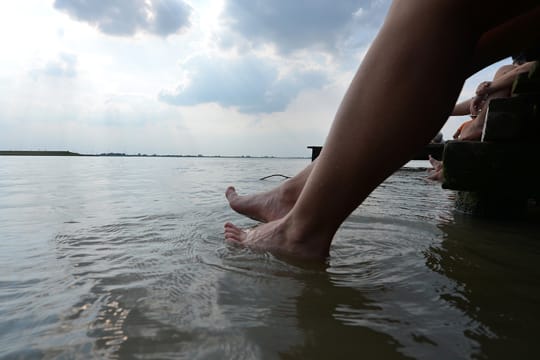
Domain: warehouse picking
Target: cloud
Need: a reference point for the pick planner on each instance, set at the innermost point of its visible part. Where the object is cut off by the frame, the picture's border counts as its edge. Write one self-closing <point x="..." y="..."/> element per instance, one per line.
<point x="128" y="17"/>
<point x="250" y="84"/>
<point x="294" y="25"/>
<point x="64" y="66"/>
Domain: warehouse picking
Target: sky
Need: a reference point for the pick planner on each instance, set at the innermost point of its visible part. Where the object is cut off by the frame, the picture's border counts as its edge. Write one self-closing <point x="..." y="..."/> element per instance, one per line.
<point x="211" y="77"/>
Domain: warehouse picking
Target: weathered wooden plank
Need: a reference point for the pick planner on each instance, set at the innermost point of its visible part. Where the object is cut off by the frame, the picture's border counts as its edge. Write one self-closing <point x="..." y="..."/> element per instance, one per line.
<point x="491" y="167"/>
<point x="511" y="120"/>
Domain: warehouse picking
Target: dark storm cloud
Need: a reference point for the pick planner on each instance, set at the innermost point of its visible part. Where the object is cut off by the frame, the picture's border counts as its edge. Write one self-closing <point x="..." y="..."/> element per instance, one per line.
<point x="249" y="84"/>
<point x="294" y="25"/>
<point x="127" y="17"/>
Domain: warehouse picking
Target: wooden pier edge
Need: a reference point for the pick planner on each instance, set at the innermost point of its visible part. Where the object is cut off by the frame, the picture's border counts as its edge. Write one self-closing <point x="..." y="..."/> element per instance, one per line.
<point x="499" y="177"/>
<point x="435" y="150"/>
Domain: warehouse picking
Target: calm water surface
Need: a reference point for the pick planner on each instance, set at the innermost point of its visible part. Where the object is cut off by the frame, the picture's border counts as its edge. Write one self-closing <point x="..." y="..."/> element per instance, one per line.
<point x="124" y="258"/>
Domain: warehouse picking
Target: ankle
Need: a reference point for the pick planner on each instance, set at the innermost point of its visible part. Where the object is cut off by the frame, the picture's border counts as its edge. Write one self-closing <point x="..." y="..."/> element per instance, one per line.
<point x="306" y="238"/>
<point x="289" y="192"/>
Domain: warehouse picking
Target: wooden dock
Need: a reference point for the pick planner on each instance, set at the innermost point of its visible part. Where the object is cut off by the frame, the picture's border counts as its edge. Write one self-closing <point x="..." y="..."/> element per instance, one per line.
<point x="499" y="175"/>
<point x="435" y="150"/>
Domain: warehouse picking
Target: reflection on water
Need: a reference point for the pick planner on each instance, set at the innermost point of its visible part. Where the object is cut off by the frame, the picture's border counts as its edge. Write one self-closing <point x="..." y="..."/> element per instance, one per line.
<point x="124" y="258"/>
<point x="495" y="268"/>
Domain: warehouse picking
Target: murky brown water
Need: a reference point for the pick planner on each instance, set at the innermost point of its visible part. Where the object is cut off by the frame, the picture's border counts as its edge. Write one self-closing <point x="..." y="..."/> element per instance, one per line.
<point x="124" y="258"/>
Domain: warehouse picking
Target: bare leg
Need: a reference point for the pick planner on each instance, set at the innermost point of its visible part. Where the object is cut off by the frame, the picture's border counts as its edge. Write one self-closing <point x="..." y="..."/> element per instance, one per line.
<point x="273" y="204"/>
<point x="356" y="157"/>
<point x="474" y="129"/>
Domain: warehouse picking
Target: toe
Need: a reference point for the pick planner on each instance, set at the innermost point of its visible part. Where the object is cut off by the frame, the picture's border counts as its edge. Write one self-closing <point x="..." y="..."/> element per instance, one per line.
<point x="230" y="192"/>
<point x="233" y="233"/>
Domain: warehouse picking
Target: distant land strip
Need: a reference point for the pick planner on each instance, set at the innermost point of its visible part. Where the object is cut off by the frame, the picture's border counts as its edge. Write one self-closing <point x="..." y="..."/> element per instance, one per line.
<point x="70" y="153"/>
<point x="37" y="153"/>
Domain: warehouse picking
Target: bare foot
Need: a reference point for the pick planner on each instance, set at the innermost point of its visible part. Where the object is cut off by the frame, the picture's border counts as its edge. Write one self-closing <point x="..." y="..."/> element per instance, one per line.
<point x="436" y="175"/>
<point x="264" y="207"/>
<point x="437" y="165"/>
<point x="275" y="238"/>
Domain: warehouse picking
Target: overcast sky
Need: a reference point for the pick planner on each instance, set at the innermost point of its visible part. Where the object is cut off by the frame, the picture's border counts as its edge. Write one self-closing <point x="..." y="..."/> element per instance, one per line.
<point x="229" y="77"/>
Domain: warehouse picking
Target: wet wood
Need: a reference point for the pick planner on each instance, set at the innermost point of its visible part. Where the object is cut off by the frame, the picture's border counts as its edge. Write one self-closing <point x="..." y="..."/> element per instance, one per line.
<point x="491" y="167"/>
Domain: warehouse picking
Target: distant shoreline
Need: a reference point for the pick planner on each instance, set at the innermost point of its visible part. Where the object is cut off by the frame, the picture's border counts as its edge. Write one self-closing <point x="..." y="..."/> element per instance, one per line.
<point x="36" y="153"/>
<point x="70" y="153"/>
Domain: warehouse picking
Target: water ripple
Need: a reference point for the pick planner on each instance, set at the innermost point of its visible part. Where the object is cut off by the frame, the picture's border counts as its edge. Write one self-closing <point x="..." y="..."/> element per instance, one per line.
<point x="125" y="258"/>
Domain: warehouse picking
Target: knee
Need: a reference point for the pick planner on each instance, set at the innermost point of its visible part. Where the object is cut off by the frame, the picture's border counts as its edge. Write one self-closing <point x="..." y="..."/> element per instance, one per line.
<point x="501" y="71"/>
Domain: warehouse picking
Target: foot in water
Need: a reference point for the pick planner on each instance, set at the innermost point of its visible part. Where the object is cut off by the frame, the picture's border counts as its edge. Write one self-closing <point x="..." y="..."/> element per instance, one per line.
<point x="276" y="238"/>
<point x="264" y="207"/>
<point x="435" y="174"/>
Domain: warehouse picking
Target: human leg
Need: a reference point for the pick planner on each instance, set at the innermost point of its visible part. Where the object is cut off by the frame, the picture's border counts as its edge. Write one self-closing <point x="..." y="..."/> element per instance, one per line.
<point x="356" y="157"/>
<point x="473" y="130"/>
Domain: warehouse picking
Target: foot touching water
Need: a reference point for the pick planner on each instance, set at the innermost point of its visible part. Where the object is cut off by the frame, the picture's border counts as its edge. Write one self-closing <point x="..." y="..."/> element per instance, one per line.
<point x="277" y="238"/>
